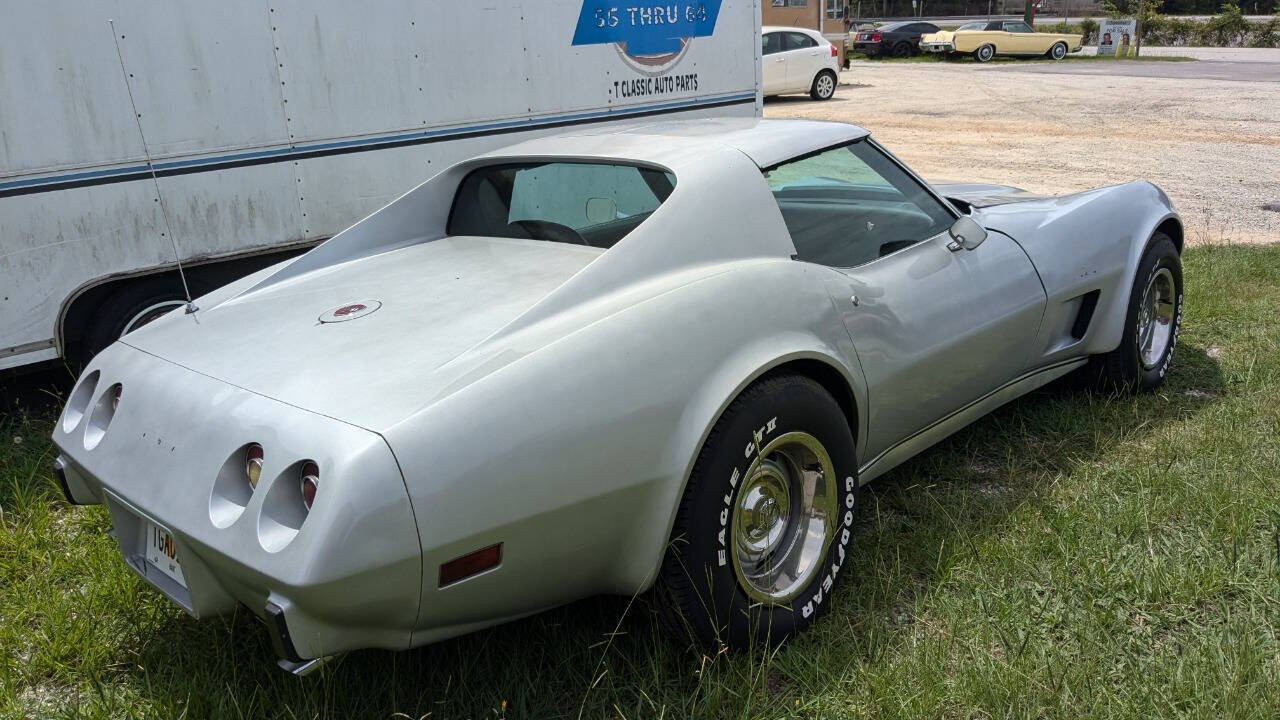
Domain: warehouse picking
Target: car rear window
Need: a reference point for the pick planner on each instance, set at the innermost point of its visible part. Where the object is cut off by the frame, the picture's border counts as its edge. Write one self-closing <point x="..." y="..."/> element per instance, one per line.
<point x="594" y="204"/>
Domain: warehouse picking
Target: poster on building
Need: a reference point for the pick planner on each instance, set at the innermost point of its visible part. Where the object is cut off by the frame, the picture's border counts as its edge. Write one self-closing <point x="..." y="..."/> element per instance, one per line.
<point x="1115" y="35"/>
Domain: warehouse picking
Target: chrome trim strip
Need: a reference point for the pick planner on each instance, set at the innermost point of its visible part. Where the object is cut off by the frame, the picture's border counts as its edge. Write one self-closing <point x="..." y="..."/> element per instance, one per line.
<point x="908" y="447"/>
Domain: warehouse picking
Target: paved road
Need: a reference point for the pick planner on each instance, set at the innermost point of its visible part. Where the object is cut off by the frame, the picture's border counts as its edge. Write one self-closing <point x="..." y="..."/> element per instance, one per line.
<point x="1201" y="70"/>
<point x="1040" y="19"/>
<point x="1241" y="65"/>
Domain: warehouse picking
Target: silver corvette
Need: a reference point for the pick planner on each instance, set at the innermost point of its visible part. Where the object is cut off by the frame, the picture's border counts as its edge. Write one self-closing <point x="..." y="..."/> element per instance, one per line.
<point x="667" y="355"/>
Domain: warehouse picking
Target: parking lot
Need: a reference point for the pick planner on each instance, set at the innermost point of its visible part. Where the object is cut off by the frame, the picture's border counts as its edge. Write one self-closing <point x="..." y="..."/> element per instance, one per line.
<point x="1064" y="127"/>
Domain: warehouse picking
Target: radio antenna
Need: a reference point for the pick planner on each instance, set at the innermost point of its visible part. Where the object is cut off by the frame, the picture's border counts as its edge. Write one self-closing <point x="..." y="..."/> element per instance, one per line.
<point x="137" y="119"/>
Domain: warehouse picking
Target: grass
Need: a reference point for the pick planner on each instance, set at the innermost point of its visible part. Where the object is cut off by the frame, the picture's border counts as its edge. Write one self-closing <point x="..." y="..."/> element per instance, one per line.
<point x="1069" y="556"/>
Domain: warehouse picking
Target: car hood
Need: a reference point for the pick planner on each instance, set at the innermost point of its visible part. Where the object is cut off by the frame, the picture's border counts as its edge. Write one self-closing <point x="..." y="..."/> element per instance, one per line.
<point x="425" y="306"/>
<point x="982" y="195"/>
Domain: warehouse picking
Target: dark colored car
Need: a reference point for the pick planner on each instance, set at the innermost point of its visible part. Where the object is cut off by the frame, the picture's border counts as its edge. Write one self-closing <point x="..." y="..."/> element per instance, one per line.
<point x="898" y="39"/>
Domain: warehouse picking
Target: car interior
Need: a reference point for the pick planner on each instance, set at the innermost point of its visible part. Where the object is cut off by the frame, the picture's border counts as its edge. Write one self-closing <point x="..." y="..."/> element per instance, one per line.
<point x="850" y="205"/>
<point x="581" y="203"/>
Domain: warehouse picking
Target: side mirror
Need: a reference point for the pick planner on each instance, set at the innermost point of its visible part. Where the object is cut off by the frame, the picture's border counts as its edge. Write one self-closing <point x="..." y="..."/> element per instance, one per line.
<point x="966" y="233"/>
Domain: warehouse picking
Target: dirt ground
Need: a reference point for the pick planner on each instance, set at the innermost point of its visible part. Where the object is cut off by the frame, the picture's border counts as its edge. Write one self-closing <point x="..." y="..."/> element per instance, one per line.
<point x="1212" y="145"/>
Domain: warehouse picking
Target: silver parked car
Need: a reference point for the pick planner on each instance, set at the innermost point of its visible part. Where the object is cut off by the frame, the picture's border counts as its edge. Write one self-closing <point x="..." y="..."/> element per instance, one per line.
<point x="591" y="363"/>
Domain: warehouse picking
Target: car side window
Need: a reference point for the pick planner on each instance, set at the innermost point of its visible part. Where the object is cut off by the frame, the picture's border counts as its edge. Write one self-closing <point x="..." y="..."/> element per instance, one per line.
<point x="1017" y="27"/>
<point x="850" y="205"/>
<point x="994" y="26"/>
<point x="800" y="41"/>
<point x="770" y="43"/>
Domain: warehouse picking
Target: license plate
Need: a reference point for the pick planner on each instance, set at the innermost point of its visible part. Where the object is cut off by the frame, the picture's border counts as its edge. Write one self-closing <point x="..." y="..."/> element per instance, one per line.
<point x="161" y="553"/>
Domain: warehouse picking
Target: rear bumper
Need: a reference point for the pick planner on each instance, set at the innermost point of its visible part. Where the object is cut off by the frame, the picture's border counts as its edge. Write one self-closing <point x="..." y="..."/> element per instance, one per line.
<point x="867" y="48"/>
<point x="345" y="575"/>
<point x="938" y="47"/>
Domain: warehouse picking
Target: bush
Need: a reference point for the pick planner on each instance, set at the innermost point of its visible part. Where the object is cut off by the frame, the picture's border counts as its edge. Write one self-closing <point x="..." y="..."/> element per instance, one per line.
<point x="1089" y="28"/>
<point x="1226" y="29"/>
<point x="1268" y="34"/>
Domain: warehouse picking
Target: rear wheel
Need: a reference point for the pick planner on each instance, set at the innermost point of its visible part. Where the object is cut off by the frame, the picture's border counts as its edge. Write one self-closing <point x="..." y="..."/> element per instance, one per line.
<point x="1058" y="51"/>
<point x="1152" y="322"/>
<point x="984" y="53"/>
<point x="824" y="86"/>
<point x="761" y="533"/>
<point x="901" y="50"/>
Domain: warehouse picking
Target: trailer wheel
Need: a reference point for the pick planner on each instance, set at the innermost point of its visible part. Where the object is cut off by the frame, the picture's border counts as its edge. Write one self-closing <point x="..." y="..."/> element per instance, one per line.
<point x="130" y="307"/>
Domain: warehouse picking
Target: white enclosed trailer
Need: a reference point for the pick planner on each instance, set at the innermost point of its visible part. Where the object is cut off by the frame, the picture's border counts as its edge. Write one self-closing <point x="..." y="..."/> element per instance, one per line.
<point x="270" y="125"/>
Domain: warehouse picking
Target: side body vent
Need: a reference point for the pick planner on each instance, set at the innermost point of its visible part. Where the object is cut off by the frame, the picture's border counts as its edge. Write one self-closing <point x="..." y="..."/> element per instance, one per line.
<point x="1088" y="303"/>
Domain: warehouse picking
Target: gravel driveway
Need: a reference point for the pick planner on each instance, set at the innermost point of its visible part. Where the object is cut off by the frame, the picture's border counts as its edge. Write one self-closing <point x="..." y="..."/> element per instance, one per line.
<point x="1212" y="144"/>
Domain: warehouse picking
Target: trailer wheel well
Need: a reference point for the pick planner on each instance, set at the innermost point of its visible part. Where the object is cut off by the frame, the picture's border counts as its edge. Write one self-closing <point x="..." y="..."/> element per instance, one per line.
<point x="82" y="310"/>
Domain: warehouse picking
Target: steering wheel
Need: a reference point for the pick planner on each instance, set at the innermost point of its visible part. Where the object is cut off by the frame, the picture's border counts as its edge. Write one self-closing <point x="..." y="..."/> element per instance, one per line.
<point x="553" y="231"/>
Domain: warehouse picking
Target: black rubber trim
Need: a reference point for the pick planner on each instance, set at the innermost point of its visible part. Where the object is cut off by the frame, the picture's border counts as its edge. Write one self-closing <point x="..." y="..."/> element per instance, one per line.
<point x="281" y="643"/>
<point x="327" y="152"/>
<point x="1088" y="303"/>
<point x="60" y="473"/>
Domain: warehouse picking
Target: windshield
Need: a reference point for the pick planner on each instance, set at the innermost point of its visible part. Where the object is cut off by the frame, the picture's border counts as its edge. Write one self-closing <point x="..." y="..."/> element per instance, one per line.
<point x="581" y="203"/>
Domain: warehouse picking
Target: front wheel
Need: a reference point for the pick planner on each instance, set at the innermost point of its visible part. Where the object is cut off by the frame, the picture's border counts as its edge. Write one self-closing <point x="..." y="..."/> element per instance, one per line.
<point x="984" y="53"/>
<point x="762" y="530"/>
<point x="1058" y="51"/>
<point x="1152" y="322"/>
<point x="824" y="86"/>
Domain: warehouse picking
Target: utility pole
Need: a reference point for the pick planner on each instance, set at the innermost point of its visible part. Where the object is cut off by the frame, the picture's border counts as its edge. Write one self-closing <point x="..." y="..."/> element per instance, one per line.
<point x="1137" y="31"/>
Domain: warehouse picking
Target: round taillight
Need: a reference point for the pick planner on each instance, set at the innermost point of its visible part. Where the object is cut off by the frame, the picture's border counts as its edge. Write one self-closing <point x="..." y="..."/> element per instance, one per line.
<point x="253" y="464"/>
<point x="309" y="483"/>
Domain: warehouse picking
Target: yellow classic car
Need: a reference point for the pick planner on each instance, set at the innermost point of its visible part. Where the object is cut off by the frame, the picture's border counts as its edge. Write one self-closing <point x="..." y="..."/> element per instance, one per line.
<point x="986" y="39"/>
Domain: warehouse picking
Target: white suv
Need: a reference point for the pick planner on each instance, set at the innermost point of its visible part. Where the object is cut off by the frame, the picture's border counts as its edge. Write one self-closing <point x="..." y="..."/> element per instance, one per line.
<point x="796" y="60"/>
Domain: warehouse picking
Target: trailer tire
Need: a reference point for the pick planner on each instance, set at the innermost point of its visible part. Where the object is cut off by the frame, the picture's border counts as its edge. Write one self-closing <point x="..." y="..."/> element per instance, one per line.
<point x="129" y="307"/>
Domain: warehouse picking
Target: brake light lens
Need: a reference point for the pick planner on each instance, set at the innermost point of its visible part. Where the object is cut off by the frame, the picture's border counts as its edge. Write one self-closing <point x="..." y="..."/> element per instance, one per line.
<point x="309" y="483"/>
<point x="875" y="37"/>
<point x="834" y="52"/>
<point x="253" y="464"/>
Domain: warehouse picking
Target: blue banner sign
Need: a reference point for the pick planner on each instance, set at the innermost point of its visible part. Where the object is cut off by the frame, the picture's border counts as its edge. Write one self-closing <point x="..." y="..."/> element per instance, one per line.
<point x="648" y="28"/>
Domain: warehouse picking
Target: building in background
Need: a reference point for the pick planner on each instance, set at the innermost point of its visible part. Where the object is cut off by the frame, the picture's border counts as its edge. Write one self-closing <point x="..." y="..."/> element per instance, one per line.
<point x="826" y="16"/>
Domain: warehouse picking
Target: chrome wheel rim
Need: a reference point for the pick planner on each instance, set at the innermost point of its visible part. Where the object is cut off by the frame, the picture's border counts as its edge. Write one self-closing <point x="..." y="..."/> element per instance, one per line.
<point x="784" y="518"/>
<point x="1059" y="52"/>
<point x="1155" y="319"/>
<point x="826" y="86"/>
<point x="985" y="52"/>
<point x="150" y="313"/>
